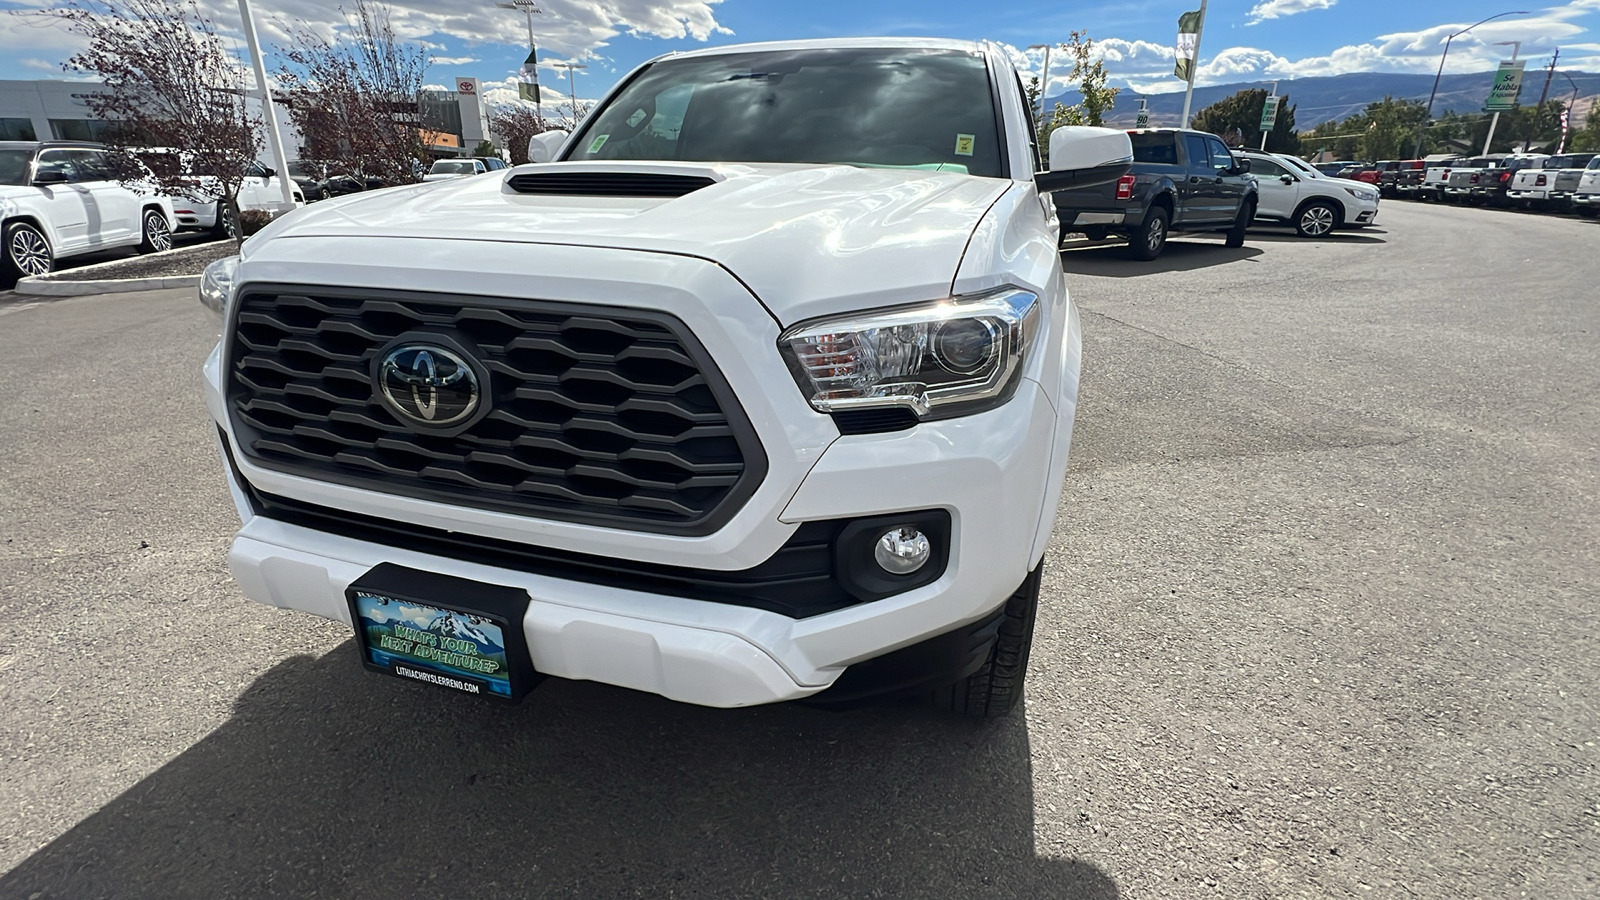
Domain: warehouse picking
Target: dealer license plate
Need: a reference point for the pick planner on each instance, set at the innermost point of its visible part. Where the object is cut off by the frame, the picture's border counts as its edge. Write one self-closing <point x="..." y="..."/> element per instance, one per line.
<point x="432" y="644"/>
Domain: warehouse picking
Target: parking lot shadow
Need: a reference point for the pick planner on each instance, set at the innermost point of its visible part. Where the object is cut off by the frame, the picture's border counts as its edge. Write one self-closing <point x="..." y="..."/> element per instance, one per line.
<point x="1111" y="259"/>
<point x="329" y="781"/>
<point x="1288" y="236"/>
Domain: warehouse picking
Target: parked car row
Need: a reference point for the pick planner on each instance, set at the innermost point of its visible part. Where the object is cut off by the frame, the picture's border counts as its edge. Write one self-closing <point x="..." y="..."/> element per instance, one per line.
<point x="1559" y="183"/>
<point x="1190" y="181"/>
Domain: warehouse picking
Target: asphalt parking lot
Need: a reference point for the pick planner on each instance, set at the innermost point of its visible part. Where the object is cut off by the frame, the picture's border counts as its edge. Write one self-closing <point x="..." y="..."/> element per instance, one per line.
<point x="1320" y="621"/>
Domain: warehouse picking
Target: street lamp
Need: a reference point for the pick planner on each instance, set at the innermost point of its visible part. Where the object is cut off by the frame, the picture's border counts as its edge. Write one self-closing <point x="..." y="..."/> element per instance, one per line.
<point x="572" y="83"/>
<point x="1442" y="57"/>
<point x="530" y="7"/>
<point x="1044" y="79"/>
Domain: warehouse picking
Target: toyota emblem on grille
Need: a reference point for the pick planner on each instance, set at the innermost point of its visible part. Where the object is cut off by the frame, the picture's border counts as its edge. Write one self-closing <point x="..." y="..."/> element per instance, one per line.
<point x="428" y="385"/>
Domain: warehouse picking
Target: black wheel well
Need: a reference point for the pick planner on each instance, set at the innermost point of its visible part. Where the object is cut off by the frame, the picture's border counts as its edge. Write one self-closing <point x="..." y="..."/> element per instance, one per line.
<point x="26" y="219"/>
<point x="156" y="207"/>
<point x="1164" y="200"/>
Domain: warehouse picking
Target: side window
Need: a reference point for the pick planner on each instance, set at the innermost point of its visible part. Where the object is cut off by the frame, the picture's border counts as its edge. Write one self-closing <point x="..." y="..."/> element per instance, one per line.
<point x="92" y="165"/>
<point x="1265" y="169"/>
<point x="57" y="161"/>
<point x="256" y="170"/>
<point x="1199" y="154"/>
<point x="1221" y="157"/>
<point x="1033" y="126"/>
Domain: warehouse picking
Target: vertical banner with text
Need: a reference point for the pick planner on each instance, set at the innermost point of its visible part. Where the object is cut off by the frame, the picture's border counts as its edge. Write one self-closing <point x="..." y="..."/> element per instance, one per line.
<point x="1188" y="42"/>
<point x="1507" y="87"/>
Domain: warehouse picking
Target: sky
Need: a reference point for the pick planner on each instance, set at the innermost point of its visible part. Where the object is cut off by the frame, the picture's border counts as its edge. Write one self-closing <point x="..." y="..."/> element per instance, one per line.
<point x="1244" y="40"/>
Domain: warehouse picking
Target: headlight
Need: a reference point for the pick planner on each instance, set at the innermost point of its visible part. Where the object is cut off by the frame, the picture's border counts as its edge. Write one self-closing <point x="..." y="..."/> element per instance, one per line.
<point x="1367" y="196"/>
<point x="953" y="357"/>
<point x="216" y="285"/>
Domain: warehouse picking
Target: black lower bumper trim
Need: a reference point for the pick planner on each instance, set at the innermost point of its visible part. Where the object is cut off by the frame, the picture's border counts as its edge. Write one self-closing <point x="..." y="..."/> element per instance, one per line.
<point x="912" y="671"/>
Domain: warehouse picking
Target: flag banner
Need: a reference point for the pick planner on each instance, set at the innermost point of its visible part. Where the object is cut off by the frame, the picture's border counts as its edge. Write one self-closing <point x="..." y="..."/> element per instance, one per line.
<point x="1566" y="125"/>
<point x="1188" y="39"/>
<point x="528" y="79"/>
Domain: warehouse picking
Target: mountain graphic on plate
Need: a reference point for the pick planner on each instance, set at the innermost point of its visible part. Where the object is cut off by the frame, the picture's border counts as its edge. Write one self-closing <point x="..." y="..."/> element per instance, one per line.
<point x="453" y="626"/>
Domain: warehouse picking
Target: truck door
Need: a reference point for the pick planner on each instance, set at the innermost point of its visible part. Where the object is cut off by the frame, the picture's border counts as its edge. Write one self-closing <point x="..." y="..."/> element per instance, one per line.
<point x="1201" y="199"/>
<point x="1228" y="185"/>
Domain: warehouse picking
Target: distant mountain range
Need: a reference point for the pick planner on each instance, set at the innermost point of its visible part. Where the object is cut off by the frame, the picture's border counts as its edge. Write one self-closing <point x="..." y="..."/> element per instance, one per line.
<point x="1336" y="97"/>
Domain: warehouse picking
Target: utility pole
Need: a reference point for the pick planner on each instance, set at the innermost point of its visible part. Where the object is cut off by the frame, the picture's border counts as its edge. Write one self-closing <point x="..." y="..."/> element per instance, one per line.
<point x="280" y="160"/>
<point x="1549" y="75"/>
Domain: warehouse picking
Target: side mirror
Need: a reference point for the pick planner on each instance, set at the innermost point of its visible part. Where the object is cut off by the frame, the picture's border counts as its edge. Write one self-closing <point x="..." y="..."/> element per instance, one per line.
<point x="50" y="176"/>
<point x="1242" y="166"/>
<point x="544" y="146"/>
<point x="1287" y="179"/>
<point x="1084" y="156"/>
<point x="268" y="173"/>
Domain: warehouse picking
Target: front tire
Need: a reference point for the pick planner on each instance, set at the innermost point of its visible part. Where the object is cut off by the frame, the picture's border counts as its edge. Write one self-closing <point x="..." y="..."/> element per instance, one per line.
<point x="27" y="251"/>
<point x="1241" y="224"/>
<point x="1316" y="220"/>
<point x="156" y="234"/>
<point x="1150" y="237"/>
<point x="995" y="690"/>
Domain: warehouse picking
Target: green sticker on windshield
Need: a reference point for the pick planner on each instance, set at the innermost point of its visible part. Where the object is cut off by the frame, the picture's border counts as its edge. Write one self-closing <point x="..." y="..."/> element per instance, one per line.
<point x="964" y="144"/>
<point x="598" y="142"/>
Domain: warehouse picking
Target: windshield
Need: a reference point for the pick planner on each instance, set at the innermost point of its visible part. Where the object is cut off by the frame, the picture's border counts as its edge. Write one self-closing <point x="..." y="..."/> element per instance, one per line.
<point x="868" y="107"/>
<point x="14" y="166"/>
<point x="453" y="167"/>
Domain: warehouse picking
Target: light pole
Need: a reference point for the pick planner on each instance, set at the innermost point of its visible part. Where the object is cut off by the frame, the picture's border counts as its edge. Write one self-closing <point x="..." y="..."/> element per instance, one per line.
<point x="572" y="83"/>
<point x="274" y="138"/>
<point x="1442" y="57"/>
<point x="532" y="65"/>
<point x="1044" y="79"/>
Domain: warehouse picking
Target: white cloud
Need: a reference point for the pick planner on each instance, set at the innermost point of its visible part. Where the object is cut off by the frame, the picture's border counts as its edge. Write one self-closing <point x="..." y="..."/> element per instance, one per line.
<point x="453" y="60"/>
<point x="1278" y="9"/>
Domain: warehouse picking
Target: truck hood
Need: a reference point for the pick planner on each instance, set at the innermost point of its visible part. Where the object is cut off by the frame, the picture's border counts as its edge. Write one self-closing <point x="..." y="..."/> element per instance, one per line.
<point x="806" y="240"/>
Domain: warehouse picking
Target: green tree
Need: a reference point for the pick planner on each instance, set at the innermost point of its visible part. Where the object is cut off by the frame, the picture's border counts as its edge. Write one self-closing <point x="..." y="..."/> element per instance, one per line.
<point x="1390" y="128"/>
<point x="1239" y="117"/>
<point x="484" y="148"/>
<point x="1088" y="77"/>
<point x="1587" y="138"/>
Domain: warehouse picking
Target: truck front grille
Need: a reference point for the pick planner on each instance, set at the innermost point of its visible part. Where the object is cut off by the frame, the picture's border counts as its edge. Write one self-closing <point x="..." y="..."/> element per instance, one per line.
<point x="598" y="415"/>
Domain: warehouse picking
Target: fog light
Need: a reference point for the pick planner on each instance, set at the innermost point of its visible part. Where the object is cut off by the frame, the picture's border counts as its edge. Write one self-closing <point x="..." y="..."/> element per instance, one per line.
<point x="902" y="550"/>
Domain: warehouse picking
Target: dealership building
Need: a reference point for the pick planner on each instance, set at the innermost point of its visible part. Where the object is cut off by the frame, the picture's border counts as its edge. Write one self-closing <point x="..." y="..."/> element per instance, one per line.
<point x="452" y="121"/>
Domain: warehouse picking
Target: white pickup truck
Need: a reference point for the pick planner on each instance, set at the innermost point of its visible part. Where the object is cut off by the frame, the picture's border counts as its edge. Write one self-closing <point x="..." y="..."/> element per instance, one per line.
<point x="760" y="389"/>
<point x="1552" y="184"/>
<point x="1436" y="178"/>
<point x="1586" y="196"/>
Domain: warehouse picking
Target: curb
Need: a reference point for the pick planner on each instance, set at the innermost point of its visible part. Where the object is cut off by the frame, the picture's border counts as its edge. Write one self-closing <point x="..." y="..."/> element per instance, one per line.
<point x="34" y="287"/>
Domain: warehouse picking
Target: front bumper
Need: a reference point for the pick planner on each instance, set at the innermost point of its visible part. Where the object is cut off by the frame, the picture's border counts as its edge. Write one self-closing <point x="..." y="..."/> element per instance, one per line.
<point x="991" y="472"/>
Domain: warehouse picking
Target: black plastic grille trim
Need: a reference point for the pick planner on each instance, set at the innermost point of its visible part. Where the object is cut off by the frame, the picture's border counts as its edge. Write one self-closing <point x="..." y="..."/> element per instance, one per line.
<point x="608" y="184"/>
<point x="599" y="415"/>
<point x="797" y="581"/>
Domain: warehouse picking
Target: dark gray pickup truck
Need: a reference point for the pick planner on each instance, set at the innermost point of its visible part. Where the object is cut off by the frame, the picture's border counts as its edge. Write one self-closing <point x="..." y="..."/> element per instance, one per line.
<point x="1181" y="181"/>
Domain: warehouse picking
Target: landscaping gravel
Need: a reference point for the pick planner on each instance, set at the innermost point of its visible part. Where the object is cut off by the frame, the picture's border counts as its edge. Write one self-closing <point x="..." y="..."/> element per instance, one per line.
<point x="190" y="260"/>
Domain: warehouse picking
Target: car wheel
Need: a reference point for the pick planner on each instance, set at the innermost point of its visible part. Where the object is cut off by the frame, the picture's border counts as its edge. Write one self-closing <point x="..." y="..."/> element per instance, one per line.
<point x="995" y="690"/>
<point x="26" y="251"/>
<point x="226" y="228"/>
<point x="1316" y="220"/>
<point x="1151" y="236"/>
<point x="1241" y="224"/>
<point x="157" y="234"/>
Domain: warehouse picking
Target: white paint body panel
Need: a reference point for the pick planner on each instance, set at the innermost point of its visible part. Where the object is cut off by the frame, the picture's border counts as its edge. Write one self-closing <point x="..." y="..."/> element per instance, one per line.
<point x="736" y="262"/>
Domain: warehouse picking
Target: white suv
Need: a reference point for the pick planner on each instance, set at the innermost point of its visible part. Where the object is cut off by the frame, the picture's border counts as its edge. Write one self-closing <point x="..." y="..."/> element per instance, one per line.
<point x="60" y="199"/>
<point x="1294" y="193"/>
<point x="720" y="404"/>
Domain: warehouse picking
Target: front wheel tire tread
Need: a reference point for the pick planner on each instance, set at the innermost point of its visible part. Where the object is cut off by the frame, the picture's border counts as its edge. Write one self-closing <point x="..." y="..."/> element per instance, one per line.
<point x="995" y="690"/>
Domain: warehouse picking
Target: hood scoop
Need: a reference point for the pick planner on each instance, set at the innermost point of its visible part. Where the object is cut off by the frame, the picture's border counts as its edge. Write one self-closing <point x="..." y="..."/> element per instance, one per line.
<point x="595" y="182"/>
